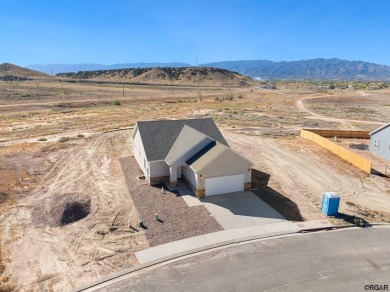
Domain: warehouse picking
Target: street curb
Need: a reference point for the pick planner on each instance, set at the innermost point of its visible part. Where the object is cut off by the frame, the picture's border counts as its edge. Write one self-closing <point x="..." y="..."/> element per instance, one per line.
<point x="201" y="249"/>
<point x="327" y="228"/>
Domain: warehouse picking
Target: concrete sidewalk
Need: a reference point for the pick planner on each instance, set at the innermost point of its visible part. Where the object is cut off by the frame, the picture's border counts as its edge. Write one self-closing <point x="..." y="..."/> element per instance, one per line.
<point x="176" y="249"/>
<point x="212" y="240"/>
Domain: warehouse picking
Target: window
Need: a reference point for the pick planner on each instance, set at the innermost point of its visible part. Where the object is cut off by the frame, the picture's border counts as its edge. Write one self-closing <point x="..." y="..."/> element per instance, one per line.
<point x="377" y="144"/>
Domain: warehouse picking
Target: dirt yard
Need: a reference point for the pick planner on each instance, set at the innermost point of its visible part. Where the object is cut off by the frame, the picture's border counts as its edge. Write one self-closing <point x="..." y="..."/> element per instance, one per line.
<point x="361" y="147"/>
<point x="302" y="171"/>
<point x="49" y="245"/>
<point x="66" y="206"/>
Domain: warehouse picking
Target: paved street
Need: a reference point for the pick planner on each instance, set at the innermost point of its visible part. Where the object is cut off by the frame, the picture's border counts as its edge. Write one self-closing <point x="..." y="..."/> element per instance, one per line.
<point x="343" y="260"/>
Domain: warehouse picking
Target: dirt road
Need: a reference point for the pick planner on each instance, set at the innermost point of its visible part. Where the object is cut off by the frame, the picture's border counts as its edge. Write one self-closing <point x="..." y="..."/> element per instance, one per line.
<point x="303" y="171"/>
<point x="345" y="122"/>
<point x="67" y="255"/>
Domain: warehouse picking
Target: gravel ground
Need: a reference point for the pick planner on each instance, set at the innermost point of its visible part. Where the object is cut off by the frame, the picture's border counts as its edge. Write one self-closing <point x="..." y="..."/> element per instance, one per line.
<point x="178" y="221"/>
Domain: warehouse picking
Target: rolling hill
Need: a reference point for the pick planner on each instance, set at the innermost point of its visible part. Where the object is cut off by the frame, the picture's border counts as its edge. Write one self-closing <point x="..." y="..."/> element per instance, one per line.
<point x="66" y="68"/>
<point x="307" y="69"/>
<point x="165" y="75"/>
<point x="13" y="72"/>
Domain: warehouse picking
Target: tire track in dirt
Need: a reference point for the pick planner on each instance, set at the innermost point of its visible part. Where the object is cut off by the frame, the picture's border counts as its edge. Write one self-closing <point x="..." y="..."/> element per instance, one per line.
<point x="99" y="244"/>
<point x="304" y="177"/>
<point x="299" y="105"/>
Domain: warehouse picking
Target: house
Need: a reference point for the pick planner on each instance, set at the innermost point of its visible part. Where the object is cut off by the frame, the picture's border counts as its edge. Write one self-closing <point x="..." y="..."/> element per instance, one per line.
<point x="269" y="86"/>
<point x="192" y="150"/>
<point x="380" y="141"/>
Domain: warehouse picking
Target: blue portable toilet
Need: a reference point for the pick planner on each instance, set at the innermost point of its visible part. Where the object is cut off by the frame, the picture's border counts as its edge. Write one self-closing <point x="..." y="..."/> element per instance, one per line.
<point x="330" y="204"/>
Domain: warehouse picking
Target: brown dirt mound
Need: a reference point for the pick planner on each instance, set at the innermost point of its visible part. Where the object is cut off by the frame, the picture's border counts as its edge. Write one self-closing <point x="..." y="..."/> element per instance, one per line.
<point x="14" y="71"/>
<point x="60" y="210"/>
<point x="167" y="75"/>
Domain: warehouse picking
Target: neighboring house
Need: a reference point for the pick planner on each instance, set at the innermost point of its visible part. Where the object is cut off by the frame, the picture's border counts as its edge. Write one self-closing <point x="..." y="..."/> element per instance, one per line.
<point x="267" y="87"/>
<point x="193" y="150"/>
<point x="380" y="141"/>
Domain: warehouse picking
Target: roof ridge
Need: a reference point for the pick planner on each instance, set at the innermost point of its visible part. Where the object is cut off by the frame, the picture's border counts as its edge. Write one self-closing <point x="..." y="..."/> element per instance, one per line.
<point x="178" y="120"/>
<point x="201" y="152"/>
<point x="183" y="133"/>
<point x="379" y="129"/>
<point x="194" y="130"/>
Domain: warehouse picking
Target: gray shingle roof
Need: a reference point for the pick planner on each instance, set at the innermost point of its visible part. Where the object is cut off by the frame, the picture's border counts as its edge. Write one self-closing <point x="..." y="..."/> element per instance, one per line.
<point x="185" y="141"/>
<point x="208" y="153"/>
<point x="159" y="136"/>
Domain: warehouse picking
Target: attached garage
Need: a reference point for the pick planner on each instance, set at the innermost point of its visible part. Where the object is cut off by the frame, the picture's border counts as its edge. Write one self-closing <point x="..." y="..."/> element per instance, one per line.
<point x="219" y="170"/>
<point x="224" y="184"/>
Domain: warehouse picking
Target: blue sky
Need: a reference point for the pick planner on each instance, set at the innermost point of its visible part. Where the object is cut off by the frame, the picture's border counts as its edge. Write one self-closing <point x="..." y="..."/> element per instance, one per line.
<point x="119" y="31"/>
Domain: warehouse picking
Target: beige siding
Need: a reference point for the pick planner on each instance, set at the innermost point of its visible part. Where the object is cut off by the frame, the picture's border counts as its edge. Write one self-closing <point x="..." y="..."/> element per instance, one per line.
<point x="158" y="168"/>
<point x="139" y="153"/>
<point x="227" y="163"/>
<point x="191" y="176"/>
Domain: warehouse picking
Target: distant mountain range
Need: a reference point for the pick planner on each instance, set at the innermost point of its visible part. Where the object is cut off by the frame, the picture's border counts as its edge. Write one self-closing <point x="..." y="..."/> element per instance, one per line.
<point x="262" y="69"/>
<point x="307" y="69"/>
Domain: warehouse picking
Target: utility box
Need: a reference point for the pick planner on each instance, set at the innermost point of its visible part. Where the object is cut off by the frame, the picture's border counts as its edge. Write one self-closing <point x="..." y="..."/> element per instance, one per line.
<point x="330" y="204"/>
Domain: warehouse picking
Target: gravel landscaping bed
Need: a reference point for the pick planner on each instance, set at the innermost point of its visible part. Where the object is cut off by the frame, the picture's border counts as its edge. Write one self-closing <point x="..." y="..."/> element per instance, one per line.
<point x="178" y="221"/>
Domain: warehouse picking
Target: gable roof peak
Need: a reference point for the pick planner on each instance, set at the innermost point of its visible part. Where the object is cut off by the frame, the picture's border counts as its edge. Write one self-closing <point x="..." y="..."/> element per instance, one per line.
<point x="159" y="136"/>
<point x="380" y="129"/>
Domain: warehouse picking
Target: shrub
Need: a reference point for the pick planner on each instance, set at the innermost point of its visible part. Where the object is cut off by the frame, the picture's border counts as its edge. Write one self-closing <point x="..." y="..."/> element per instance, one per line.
<point x="80" y="136"/>
<point x="240" y="96"/>
<point x="116" y="102"/>
<point x="63" y="139"/>
<point x="200" y="97"/>
<point x="42" y="139"/>
<point x="228" y="96"/>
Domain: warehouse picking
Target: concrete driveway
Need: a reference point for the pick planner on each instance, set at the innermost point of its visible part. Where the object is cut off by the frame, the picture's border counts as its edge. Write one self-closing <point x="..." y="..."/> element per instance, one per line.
<point x="241" y="209"/>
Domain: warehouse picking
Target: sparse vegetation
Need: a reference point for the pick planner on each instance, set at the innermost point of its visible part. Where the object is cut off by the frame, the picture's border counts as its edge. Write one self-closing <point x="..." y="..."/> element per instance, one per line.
<point x="252" y="120"/>
<point x="228" y="96"/>
<point x="179" y="75"/>
<point x="5" y="283"/>
<point x="63" y="139"/>
<point x="200" y="96"/>
<point x="326" y="85"/>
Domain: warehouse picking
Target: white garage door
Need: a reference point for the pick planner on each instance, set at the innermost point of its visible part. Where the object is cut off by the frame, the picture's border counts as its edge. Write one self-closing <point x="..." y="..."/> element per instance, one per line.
<point x="224" y="184"/>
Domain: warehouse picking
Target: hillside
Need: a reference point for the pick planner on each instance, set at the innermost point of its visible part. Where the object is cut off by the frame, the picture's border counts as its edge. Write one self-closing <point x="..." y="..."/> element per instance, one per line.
<point x="13" y="72"/>
<point x="166" y="75"/>
<point x="66" y="68"/>
<point x="304" y="69"/>
<point x="307" y="69"/>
